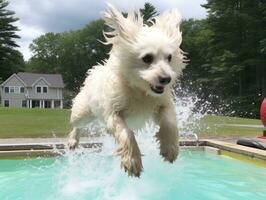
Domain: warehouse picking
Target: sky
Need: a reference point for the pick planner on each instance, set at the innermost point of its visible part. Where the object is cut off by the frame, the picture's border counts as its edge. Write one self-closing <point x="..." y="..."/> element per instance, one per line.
<point x="37" y="17"/>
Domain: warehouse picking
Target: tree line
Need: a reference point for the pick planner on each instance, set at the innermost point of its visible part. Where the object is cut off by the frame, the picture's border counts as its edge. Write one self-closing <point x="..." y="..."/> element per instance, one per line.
<point x="226" y="53"/>
<point x="11" y="60"/>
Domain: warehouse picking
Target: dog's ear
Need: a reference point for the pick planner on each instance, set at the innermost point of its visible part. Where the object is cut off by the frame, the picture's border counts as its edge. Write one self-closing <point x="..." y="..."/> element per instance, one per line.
<point x="169" y="22"/>
<point x="121" y="27"/>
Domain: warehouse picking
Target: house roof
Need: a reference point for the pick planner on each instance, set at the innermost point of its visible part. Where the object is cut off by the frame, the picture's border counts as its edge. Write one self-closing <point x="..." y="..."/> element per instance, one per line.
<point x="55" y="80"/>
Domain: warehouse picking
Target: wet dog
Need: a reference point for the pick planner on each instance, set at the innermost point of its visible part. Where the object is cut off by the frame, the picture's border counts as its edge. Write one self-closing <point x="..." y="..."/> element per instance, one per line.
<point x="134" y="85"/>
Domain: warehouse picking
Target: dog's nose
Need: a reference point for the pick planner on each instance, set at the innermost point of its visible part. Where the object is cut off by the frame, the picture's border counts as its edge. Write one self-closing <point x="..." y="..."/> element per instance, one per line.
<point x="164" y="80"/>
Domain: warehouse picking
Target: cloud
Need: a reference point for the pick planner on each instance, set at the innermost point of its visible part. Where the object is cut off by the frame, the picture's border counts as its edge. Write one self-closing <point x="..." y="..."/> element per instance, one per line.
<point x="27" y="34"/>
<point x="38" y="17"/>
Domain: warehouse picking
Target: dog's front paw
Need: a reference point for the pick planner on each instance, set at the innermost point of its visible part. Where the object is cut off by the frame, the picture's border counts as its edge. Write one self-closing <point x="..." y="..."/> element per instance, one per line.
<point x="72" y="143"/>
<point x="132" y="165"/>
<point x="130" y="157"/>
<point x="169" y="152"/>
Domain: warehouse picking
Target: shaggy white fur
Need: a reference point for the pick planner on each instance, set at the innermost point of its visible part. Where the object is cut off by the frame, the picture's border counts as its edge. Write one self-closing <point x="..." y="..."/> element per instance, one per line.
<point x="134" y="85"/>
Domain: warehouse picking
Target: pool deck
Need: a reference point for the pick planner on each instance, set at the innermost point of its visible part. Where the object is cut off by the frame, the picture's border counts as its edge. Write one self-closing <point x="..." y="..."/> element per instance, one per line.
<point x="47" y="146"/>
<point x="235" y="148"/>
<point x="40" y="146"/>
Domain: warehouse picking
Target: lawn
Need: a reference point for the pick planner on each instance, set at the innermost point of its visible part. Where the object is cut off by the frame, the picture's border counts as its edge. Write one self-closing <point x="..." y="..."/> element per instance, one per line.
<point x="221" y="126"/>
<point x="32" y="123"/>
<point x="20" y="123"/>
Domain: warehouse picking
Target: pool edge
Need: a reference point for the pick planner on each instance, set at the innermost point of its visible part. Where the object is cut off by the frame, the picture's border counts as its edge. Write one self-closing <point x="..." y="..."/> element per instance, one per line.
<point x="235" y="148"/>
<point x="40" y="149"/>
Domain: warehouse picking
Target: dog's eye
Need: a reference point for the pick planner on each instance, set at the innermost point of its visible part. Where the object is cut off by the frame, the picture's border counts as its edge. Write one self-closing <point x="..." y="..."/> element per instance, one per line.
<point x="169" y="58"/>
<point x="148" y="59"/>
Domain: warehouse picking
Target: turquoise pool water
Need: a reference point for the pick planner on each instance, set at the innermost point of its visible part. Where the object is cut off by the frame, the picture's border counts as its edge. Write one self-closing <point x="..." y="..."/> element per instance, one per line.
<point x="196" y="175"/>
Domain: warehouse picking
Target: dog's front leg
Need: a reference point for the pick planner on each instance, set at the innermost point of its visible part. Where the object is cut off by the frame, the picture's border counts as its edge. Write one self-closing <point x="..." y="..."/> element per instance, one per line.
<point x="168" y="133"/>
<point x="127" y="146"/>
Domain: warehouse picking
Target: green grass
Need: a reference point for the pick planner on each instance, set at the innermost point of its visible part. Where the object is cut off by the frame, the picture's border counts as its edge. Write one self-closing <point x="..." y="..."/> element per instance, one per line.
<point x="221" y="126"/>
<point x="32" y="123"/>
<point x="43" y="123"/>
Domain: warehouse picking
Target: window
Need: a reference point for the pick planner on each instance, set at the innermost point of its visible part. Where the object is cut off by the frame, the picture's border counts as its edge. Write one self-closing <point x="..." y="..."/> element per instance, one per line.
<point x="39" y="89"/>
<point x="16" y="89"/>
<point x="44" y="89"/>
<point x="6" y="89"/>
<point x="24" y="103"/>
<point x="12" y="89"/>
<point x="22" y="90"/>
<point x="6" y="103"/>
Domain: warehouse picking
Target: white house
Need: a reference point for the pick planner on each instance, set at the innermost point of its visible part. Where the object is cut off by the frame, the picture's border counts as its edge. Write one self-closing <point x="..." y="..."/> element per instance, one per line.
<point x="30" y="90"/>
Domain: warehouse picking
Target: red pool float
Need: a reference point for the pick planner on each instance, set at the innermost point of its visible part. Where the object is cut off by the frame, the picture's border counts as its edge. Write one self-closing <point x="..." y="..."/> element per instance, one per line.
<point x="263" y="114"/>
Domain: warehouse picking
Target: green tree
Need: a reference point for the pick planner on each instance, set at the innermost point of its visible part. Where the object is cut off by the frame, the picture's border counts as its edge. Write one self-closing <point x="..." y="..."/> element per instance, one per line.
<point x="226" y="53"/>
<point x="82" y="50"/>
<point x="195" y="42"/>
<point x="236" y="53"/>
<point x="70" y="53"/>
<point x="148" y="12"/>
<point x="10" y="59"/>
<point x="46" y="50"/>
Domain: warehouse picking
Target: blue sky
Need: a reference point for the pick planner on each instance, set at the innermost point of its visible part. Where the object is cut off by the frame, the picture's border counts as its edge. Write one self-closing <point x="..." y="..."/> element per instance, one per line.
<point x="38" y="17"/>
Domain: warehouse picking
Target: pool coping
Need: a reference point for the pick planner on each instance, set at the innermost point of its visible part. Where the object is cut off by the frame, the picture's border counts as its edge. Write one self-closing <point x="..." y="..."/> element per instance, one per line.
<point x="59" y="147"/>
<point x="239" y="149"/>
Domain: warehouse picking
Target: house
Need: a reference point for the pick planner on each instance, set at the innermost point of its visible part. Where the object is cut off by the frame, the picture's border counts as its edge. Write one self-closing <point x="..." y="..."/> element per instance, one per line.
<point x="30" y="90"/>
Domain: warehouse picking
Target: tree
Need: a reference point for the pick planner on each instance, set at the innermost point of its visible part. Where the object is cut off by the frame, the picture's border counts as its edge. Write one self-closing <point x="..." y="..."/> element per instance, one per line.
<point x="148" y="12"/>
<point x="46" y="50"/>
<point x="226" y="53"/>
<point x="236" y="53"/>
<point x="11" y="59"/>
<point x="70" y="53"/>
<point x="195" y="42"/>
<point x="82" y="50"/>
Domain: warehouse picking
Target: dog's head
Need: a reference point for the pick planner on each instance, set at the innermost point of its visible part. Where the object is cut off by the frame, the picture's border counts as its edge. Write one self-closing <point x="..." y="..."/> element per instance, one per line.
<point x="149" y="57"/>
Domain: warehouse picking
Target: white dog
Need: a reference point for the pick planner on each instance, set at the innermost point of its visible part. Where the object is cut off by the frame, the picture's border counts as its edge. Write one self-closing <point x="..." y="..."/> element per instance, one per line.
<point x="134" y="85"/>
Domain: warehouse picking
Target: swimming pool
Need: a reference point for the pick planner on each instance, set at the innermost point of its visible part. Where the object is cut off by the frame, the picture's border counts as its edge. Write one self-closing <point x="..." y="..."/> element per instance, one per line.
<point x="86" y="175"/>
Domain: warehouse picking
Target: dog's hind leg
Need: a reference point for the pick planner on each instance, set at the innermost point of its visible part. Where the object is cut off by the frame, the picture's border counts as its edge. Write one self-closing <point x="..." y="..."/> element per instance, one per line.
<point x="127" y="146"/>
<point x="79" y="119"/>
<point x="168" y="133"/>
<point x="73" y="138"/>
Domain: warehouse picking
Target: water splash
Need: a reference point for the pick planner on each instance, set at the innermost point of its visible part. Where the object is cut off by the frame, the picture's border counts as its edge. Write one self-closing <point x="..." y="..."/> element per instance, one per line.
<point x="191" y="109"/>
<point x="93" y="174"/>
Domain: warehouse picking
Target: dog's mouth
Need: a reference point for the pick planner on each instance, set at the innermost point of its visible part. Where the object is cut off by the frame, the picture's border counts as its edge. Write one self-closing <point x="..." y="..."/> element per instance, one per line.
<point x="158" y="89"/>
